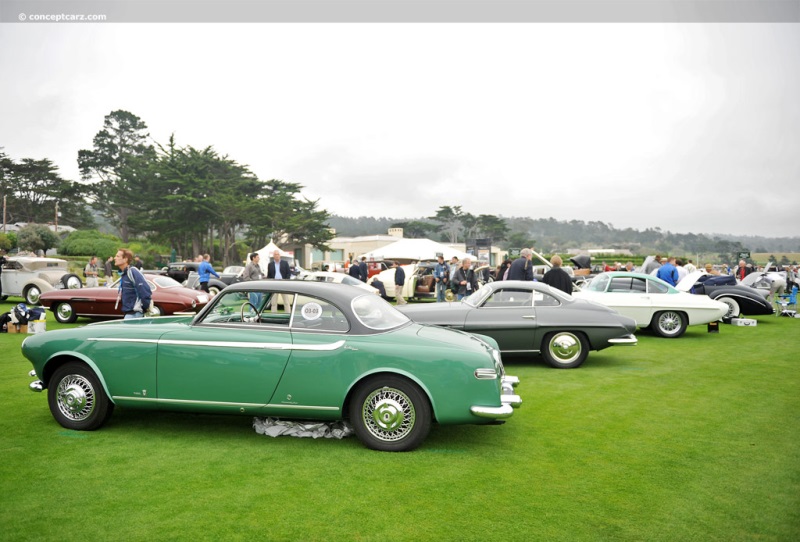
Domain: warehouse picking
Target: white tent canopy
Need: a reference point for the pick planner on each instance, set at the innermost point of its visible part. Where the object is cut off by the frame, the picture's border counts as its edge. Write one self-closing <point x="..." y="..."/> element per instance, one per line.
<point x="414" y="250"/>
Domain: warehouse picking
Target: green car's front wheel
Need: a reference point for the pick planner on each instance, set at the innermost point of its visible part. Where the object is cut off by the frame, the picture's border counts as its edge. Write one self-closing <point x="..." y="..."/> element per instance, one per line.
<point x="390" y="413"/>
<point x="76" y="398"/>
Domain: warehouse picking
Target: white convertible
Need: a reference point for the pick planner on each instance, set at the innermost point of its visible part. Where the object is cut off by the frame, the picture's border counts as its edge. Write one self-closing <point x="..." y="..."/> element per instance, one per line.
<point x="29" y="276"/>
<point x="652" y="302"/>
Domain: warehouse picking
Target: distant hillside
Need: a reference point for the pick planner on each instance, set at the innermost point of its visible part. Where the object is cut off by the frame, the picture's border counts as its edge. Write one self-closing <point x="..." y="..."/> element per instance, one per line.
<point x="551" y="235"/>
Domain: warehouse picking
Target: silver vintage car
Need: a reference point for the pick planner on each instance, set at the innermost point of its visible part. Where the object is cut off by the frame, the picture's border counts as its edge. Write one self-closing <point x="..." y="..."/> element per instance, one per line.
<point x="28" y="277"/>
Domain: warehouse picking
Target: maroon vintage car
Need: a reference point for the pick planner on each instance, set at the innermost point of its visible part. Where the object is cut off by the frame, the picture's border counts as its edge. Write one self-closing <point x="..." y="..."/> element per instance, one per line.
<point x="169" y="297"/>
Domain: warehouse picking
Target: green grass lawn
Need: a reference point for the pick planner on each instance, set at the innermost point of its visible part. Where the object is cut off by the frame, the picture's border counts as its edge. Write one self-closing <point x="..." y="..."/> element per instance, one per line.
<point x="674" y="440"/>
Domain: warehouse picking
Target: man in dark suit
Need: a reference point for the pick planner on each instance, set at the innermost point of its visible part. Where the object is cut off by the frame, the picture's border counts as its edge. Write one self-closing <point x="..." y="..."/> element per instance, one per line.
<point x="355" y="270"/>
<point x="522" y="268"/>
<point x="364" y="269"/>
<point x="278" y="269"/>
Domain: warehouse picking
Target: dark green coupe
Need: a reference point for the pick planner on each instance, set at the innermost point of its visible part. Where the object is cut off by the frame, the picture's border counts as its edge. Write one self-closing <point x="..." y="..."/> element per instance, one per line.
<point x="288" y="349"/>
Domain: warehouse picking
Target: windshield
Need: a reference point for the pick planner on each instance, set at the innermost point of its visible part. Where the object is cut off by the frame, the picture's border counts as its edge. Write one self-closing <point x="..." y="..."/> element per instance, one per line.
<point x="478" y="296"/>
<point x="167" y="282"/>
<point x="375" y="313"/>
<point x="598" y="284"/>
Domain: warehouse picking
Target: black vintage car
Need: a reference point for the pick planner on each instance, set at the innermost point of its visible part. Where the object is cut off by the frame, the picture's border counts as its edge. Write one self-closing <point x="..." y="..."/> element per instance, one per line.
<point x="740" y="299"/>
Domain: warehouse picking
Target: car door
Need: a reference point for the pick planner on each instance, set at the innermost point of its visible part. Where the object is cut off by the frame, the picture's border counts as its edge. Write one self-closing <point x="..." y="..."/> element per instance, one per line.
<point x="508" y="316"/>
<point x="13" y="279"/>
<point x="229" y="361"/>
<point x="630" y="296"/>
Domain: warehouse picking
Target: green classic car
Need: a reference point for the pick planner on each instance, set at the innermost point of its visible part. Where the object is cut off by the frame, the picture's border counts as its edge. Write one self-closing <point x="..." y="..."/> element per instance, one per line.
<point x="288" y="349"/>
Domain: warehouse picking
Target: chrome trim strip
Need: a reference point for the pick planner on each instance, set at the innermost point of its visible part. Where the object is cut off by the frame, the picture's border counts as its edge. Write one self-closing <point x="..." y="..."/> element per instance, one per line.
<point x="233" y="344"/>
<point x="113" y="340"/>
<point x="629" y="340"/>
<point x="187" y="402"/>
<point x="303" y="407"/>
<point x="221" y="403"/>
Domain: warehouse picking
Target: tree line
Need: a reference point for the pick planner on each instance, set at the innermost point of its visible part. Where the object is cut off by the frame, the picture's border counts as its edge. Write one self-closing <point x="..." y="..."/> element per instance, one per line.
<point x="191" y="199"/>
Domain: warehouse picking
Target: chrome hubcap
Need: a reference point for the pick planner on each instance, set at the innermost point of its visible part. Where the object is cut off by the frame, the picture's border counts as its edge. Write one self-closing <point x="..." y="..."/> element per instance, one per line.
<point x="669" y="322"/>
<point x="565" y="347"/>
<point x="75" y="397"/>
<point x="65" y="311"/>
<point x="388" y="414"/>
<point x="33" y="295"/>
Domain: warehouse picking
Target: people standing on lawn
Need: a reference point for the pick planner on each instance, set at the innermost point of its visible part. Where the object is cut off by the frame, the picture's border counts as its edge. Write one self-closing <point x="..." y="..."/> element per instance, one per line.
<point x="2" y="263"/>
<point x="690" y="267"/>
<point x="109" y="269"/>
<point x="91" y="273"/>
<point x="441" y="274"/>
<point x="464" y="277"/>
<point x="556" y="277"/>
<point x="667" y="272"/>
<point x="743" y="270"/>
<point x="399" y="282"/>
<point x="652" y="265"/>
<point x="278" y="269"/>
<point x="364" y="269"/>
<point x="522" y="267"/>
<point x="134" y="294"/>
<point x="204" y="270"/>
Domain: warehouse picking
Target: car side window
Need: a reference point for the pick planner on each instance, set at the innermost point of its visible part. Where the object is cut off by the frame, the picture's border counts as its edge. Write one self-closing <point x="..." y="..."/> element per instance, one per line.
<point x="654" y="287"/>
<point x="318" y="315"/>
<point x="541" y="299"/>
<point x="509" y="297"/>
<point x="627" y="284"/>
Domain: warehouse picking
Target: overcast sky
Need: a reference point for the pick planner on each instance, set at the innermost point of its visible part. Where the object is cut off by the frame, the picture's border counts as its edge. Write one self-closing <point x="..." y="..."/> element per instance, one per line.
<point x="685" y="127"/>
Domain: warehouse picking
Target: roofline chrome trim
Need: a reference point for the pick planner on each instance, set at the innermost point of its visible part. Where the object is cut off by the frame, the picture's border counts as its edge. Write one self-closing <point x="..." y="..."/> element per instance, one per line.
<point x="232" y="344"/>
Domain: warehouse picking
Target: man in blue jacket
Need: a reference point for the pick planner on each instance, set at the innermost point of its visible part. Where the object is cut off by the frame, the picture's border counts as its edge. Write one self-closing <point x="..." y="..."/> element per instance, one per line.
<point x="668" y="272"/>
<point x="134" y="292"/>
<point x="205" y="271"/>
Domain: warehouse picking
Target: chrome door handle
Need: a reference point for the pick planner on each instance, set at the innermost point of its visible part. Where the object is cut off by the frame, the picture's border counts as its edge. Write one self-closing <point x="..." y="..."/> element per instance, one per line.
<point x="530" y="316"/>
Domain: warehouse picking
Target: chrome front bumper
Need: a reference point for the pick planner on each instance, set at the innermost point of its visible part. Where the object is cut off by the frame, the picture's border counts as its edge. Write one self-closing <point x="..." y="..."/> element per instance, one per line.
<point x="36" y="385"/>
<point x="508" y="398"/>
<point x="630" y="340"/>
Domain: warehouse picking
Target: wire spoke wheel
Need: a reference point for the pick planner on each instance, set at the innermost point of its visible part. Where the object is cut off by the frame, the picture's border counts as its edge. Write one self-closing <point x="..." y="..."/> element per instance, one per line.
<point x="669" y="324"/>
<point x="390" y="413"/>
<point x="76" y="397"/>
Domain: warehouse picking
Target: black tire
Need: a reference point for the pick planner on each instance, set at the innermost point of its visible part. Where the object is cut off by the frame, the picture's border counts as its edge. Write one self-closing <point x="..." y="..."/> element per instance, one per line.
<point x="669" y="324"/>
<point x="71" y="282"/>
<point x="565" y="349"/>
<point x="214" y="290"/>
<point x="3" y="297"/>
<point x="76" y="398"/>
<point x="733" y="306"/>
<point x="32" y="295"/>
<point x="390" y="413"/>
<point x="64" y="313"/>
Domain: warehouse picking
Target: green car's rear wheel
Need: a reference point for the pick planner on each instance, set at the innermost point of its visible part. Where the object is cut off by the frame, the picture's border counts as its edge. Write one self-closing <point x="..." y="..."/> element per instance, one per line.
<point x="390" y="413"/>
<point x="76" y="398"/>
